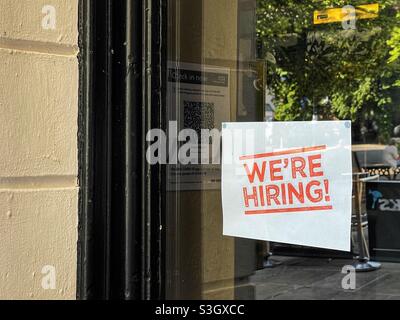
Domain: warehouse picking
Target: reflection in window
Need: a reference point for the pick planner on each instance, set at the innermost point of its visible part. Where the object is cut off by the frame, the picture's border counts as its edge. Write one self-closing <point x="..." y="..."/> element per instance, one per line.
<point x="343" y="69"/>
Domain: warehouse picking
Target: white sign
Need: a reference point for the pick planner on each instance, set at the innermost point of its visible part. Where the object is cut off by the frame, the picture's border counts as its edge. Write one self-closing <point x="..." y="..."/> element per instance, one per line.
<point x="288" y="182"/>
<point x="199" y="98"/>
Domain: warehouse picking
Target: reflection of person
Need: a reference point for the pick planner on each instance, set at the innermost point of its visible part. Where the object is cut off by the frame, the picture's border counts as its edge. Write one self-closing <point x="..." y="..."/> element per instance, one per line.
<point x="391" y="154"/>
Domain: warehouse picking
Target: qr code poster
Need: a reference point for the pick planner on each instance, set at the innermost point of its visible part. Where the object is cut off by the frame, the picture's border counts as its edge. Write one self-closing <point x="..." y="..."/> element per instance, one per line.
<point x="199" y="99"/>
<point x="288" y="182"/>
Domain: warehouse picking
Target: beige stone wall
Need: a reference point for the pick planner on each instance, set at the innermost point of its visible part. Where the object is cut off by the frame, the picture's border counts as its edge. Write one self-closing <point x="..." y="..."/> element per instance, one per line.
<point x="38" y="148"/>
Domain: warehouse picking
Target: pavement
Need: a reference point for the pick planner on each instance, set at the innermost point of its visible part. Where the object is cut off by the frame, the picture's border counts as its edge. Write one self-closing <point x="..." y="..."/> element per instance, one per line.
<point x="321" y="279"/>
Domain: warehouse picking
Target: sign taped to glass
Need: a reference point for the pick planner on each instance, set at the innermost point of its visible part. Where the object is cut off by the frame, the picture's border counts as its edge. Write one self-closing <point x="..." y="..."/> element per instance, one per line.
<point x="294" y="186"/>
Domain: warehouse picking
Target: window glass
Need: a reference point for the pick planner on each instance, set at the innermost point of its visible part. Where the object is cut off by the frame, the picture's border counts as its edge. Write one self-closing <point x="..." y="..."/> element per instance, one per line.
<point x="270" y="60"/>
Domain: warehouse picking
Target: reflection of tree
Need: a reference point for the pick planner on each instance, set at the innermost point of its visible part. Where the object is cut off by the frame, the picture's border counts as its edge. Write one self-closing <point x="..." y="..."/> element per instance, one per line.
<point x="345" y="74"/>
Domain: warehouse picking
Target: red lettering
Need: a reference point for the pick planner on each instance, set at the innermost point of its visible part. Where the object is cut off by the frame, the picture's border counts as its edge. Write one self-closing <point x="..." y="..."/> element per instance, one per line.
<point x="262" y="198"/>
<point x="274" y="171"/>
<point x="256" y="171"/>
<point x="315" y="165"/>
<point x="284" y="200"/>
<point x="272" y="192"/>
<point x="299" y="194"/>
<point x="298" y="166"/>
<point x="317" y="195"/>
<point x="248" y="197"/>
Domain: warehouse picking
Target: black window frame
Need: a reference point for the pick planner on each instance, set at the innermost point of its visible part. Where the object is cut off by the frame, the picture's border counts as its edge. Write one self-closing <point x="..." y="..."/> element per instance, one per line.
<point x="121" y="237"/>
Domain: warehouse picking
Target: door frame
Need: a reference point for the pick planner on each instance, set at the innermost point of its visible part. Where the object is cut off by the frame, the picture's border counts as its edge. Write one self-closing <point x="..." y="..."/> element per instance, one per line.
<point x="121" y="241"/>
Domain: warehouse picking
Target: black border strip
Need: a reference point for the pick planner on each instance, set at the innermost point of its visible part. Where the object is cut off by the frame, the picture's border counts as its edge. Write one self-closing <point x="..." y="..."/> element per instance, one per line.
<point x="95" y="147"/>
<point x="121" y="201"/>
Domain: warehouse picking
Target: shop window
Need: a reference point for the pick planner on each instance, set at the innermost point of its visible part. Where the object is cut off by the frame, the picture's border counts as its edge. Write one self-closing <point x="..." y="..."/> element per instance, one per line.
<point x="266" y="60"/>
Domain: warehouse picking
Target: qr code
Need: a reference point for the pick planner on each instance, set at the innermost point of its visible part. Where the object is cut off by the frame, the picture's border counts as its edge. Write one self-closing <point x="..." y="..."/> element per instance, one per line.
<point x="198" y="115"/>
